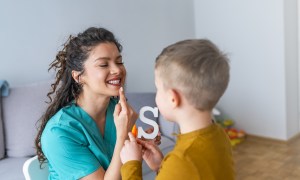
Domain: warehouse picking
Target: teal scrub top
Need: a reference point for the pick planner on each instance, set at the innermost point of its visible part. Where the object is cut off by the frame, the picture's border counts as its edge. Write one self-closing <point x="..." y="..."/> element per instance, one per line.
<point x="73" y="144"/>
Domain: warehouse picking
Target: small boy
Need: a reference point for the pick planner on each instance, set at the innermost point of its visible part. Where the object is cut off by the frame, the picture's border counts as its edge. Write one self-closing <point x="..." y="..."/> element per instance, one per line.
<point x="190" y="77"/>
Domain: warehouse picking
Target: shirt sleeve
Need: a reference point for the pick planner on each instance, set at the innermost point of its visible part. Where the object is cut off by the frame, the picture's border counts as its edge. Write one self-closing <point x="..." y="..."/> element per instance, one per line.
<point x="68" y="154"/>
<point x="174" y="167"/>
<point x="132" y="170"/>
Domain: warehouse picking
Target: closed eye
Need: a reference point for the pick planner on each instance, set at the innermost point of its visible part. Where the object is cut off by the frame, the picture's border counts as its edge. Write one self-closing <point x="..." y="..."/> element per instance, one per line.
<point x="103" y="65"/>
<point x="119" y="60"/>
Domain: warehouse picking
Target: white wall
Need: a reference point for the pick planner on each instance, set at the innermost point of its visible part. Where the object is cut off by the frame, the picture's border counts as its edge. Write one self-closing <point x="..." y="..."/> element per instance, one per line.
<point x="258" y="35"/>
<point x="33" y="31"/>
<point x="291" y="66"/>
<point x="253" y="33"/>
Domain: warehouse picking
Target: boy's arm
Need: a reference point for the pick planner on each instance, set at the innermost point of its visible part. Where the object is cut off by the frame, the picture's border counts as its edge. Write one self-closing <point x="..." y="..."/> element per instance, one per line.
<point x="132" y="170"/>
<point x="131" y="157"/>
<point x="152" y="154"/>
<point x="174" y="167"/>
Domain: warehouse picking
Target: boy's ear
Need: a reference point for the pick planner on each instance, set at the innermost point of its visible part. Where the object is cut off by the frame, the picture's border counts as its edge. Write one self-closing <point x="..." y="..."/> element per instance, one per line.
<point x="75" y="76"/>
<point x="175" y="98"/>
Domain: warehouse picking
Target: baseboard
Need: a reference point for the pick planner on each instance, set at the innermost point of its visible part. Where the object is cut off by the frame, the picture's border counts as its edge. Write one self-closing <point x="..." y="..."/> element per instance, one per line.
<point x="272" y="140"/>
<point x="263" y="139"/>
<point x="293" y="138"/>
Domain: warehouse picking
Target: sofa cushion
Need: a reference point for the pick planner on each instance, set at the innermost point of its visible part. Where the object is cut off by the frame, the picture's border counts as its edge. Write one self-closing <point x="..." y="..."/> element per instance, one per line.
<point x="2" y="145"/>
<point x="149" y="176"/>
<point x="11" y="168"/>
<point x="139" y="100"/>
<point x="21" y="111"/>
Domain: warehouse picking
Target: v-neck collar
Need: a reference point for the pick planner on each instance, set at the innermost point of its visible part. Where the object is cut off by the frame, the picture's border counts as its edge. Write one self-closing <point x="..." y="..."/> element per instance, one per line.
<point x="92" y="123"/>
<point x="107" y="142"/>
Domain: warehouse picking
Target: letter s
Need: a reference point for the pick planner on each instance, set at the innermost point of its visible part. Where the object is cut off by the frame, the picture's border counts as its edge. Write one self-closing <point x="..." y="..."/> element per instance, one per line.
<point x="141" y="132"/>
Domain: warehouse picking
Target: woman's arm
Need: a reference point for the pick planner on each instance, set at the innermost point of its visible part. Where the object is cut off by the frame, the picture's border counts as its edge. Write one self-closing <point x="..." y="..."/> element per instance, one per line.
<point x="113" y="171"/>
<point x="124" y="118"/>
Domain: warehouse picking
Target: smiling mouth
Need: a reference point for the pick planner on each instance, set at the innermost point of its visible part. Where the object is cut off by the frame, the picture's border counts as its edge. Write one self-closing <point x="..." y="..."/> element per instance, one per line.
<point x="114" y="82"/>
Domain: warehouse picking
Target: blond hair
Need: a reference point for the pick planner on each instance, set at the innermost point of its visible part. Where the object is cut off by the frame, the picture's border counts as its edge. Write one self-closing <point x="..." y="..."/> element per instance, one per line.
<point x="197" y="68"/>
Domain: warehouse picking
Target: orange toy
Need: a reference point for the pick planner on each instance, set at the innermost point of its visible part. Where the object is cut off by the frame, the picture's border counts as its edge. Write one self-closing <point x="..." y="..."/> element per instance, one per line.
<point x="134" y="131"/>
<point x="235" y="136"/>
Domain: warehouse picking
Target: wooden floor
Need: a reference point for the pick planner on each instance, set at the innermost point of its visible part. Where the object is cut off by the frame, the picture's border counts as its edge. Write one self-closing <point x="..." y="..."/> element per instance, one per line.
<point x="263" y="159"/>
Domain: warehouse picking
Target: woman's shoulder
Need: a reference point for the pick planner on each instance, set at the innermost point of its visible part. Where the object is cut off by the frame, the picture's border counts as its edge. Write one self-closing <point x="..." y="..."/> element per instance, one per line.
<point x="65" y="117"/>
<point x="63" y="123"/>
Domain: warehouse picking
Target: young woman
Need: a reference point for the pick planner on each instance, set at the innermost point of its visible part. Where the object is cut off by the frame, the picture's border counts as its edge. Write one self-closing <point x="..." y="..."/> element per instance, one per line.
<point x="85" y="126"/>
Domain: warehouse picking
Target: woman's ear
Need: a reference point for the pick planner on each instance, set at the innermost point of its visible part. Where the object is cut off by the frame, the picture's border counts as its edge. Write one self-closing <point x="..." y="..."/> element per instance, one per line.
<point x="75" y="76"/>
<point x="175" y="98"/>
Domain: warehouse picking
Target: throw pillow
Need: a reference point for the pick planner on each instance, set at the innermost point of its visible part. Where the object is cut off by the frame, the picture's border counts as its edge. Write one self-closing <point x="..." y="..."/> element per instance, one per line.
<point x="21" y="111"/>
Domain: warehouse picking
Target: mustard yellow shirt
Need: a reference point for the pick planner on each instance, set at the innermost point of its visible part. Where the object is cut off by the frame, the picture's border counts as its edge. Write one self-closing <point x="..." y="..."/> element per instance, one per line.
<point x="203" y="154"/>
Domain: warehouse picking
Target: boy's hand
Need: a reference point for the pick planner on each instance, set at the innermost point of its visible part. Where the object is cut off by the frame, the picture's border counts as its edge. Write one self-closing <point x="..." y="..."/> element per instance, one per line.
<point x="151" y="154"/>
<point x="156" y="140"/>
<point x="131" y="150"/>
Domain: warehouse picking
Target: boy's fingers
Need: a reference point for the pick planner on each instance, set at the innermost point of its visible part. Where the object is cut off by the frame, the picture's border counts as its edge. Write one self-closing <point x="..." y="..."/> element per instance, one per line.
<point x="140" y="141"/>
<point x="126" y="142"/>
<point x="131" y="137"/>
<point x="150" y="146"/>
<point x="150" y="130"/>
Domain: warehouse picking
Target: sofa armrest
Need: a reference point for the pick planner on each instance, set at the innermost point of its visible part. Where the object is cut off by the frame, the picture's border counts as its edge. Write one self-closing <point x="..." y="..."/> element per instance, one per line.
<point x="2" y="144"/>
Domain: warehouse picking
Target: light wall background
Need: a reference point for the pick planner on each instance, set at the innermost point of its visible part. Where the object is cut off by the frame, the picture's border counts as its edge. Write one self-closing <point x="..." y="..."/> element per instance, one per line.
<point x="33" y="31"/>
<point x="259" y="36"/>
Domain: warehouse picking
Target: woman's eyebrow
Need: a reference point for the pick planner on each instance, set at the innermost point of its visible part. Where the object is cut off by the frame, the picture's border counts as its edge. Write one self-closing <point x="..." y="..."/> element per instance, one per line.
<point x="108" y="58"/>
<point x="119" y="57"/>
<point x="102" y="58"/>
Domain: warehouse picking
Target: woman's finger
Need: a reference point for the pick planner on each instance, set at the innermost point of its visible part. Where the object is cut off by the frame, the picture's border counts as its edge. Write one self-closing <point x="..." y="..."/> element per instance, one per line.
<point x="117" y="110"/>
<point x="122" y="100"/>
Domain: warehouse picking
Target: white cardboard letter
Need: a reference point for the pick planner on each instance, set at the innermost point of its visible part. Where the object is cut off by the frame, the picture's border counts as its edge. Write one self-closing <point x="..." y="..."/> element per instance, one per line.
<point x="141" y="132"/>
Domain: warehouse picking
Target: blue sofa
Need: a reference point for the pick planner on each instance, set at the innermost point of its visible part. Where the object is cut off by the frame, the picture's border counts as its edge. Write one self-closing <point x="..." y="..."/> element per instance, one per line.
<point x="24" y="106"/>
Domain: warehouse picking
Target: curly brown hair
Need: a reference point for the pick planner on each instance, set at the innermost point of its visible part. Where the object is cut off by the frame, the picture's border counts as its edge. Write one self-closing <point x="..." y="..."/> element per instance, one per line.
<point x="65" y="89"/>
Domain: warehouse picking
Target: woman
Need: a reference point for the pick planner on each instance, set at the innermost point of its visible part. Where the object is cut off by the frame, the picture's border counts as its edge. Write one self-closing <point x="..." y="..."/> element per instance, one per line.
<point x="83" y="129"/>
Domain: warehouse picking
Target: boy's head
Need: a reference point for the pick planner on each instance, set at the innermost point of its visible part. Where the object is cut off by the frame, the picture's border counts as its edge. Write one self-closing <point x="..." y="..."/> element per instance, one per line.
<point x="197" y="69"/>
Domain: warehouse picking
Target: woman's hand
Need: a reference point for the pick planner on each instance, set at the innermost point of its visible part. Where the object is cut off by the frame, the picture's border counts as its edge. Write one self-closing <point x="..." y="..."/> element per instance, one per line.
<point x="122" y="116"/>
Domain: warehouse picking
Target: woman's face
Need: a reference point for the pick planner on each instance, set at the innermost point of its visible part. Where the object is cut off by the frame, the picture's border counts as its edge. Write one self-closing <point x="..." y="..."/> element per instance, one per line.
<point x="104" y="72"/>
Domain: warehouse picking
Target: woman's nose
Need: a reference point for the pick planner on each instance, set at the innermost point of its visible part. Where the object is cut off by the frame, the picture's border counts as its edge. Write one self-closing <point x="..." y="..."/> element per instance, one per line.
<point x="115" y="69"/>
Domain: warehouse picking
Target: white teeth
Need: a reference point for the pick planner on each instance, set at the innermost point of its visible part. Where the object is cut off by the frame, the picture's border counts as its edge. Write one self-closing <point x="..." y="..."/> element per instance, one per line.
<point x="114" y="82"/>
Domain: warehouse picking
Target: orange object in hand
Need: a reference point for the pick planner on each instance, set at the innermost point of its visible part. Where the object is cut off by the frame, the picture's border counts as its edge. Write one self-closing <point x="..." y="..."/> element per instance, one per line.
<point x="134" y="131"/>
